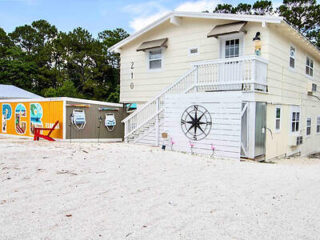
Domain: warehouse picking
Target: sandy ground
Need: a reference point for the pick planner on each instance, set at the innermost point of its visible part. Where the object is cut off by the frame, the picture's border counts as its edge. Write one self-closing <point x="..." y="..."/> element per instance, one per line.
<point x="120" y="191"/>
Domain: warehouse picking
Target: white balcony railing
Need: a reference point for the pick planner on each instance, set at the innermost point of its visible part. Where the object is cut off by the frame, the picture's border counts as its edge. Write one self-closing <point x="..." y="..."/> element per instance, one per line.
<point x="248" y="73"/>
<point x="241" y="73"/>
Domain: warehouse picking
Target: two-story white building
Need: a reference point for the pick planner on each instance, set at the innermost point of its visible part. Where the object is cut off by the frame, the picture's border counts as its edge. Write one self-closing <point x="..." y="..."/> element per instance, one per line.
<point x="238" y="85"/>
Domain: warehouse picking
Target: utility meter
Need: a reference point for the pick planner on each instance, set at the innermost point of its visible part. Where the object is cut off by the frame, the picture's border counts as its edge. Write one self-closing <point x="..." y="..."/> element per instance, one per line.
<point x="110" y="121"/>
<point x="78" y="118"/>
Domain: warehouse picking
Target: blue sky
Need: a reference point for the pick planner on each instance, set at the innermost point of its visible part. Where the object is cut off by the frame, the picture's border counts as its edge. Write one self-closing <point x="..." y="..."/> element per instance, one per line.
<point x="95" y="15"/>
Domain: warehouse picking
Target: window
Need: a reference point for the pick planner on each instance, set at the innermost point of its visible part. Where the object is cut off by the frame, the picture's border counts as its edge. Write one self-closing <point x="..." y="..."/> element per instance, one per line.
<point x="155" y="59"/>
<point x="309" y="67"/>
<point x="295" y="121"/>
<point x="232" y="48"/>
<point x="299" y="140"/>
<point x="292" y="57"/>
<point x="193" y="51"/>
<point x="314" y="87"/>
<point x="318" y="124"/>
<point x="278" y="116"/>
<point x="308" y="126"/>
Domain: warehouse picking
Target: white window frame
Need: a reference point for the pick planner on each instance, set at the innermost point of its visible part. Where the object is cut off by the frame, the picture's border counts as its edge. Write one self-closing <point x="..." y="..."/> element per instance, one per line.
<point x="148" y="60"/>
<point x="294" y="57"/>
<point x="193" y="54"/>
<point x="295" y="109"/>
<point x="318" y="125"/>
<point x="277" y="119"/>
<point x="308" y="126"/>
<point x="310" y="59"/>
<point x="224" y="38"/>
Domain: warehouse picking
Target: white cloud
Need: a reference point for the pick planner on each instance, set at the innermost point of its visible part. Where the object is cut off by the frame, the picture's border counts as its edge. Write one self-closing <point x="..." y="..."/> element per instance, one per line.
<point x="140" y="22"/>
<point x="197" y="6"/>
<point x="145" y="13"/>
<point x="149" y="12"/>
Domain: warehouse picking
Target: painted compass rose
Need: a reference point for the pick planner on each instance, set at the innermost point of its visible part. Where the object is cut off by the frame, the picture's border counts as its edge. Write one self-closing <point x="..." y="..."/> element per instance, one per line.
<point x="196" y="122"/>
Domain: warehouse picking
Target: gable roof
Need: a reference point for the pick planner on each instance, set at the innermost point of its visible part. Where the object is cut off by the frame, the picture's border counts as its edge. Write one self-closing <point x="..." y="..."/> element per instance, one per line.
<point x="236" y="17"/>
<point x="264" y="19"/>
<point x="13" y="92"/>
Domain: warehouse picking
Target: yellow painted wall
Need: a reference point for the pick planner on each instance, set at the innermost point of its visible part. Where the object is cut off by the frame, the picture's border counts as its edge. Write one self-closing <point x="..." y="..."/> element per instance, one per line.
<point x="52" y="112"/>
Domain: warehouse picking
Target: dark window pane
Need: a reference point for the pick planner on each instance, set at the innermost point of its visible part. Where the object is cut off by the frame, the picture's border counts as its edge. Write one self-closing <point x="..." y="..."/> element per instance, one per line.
<point x="227" y="52"/>
<point x="237" y="52"/>
<point x="292" y="62"/>
<point x="308" y="130"/>
<point x="155" y="64"/>
<point x="278" y="113"/>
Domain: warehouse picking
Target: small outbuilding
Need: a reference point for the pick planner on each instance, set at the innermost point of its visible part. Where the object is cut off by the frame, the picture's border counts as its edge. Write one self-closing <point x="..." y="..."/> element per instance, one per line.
<point x="78" y="118"/>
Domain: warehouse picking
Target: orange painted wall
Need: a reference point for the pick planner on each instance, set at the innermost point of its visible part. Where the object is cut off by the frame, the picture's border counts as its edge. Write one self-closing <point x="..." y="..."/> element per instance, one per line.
<point x="52" y="111"/>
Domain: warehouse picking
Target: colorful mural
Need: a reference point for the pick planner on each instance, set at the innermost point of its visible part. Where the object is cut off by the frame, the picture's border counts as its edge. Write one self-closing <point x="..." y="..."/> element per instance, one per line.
<point x="36" y="114"/>
<point x="6" y="116"/>
<point x="20" y="115"/>
<point x="28" y="115"/>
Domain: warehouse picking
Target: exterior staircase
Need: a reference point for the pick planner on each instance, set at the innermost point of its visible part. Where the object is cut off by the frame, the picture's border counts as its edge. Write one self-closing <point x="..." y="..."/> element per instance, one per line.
<point x="248" y="73"/>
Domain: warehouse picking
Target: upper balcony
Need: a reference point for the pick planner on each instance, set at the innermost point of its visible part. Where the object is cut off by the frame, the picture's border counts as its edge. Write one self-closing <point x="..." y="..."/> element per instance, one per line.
<point x="247" y="73"/>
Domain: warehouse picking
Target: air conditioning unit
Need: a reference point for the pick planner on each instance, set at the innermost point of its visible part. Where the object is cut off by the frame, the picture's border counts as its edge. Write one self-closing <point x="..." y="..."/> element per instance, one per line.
<point x="312" y="88"/>
<point x="295" y="141"/>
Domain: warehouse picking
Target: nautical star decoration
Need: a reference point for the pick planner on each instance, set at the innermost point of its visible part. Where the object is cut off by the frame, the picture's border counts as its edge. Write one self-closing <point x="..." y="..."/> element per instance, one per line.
<point x="196" y="122"/>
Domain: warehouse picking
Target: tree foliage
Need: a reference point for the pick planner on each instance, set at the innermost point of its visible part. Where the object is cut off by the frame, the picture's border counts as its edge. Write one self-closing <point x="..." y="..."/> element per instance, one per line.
<point x="261" y="7"/>
<point x="224" y="8"/>
<point x="52" y="63"/>
<point x="304" y="15"/>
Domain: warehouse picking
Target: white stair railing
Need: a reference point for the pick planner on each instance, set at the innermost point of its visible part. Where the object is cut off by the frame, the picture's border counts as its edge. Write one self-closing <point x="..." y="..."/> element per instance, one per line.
<point x="133" y="122"/>
<point x="246" y="73"/>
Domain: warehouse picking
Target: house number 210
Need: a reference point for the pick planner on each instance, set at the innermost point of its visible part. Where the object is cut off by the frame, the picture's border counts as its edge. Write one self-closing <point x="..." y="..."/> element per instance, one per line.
<point x="132" y="67"/>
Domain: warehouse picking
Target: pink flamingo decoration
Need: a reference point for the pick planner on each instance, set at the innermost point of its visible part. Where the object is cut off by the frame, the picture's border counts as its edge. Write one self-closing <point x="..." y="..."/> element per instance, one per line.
<point x="212" y="148"/>
<point x="172" y="143"/>
<point x="191" y="146"/>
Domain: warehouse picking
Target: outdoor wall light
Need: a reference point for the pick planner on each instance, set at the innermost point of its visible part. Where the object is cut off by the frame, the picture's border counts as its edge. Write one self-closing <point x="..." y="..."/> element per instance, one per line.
<point x="257" y="44"/>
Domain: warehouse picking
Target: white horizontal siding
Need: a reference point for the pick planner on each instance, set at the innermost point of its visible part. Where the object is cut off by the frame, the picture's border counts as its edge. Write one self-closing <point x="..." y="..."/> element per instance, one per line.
<point x="224" y="109"/>
<point x="176" y="59"/>
<point x="289" y="87"/>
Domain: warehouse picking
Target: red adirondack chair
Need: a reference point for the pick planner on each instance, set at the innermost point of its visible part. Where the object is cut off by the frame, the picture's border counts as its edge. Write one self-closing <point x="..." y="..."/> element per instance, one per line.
<point x="37" y="134"/>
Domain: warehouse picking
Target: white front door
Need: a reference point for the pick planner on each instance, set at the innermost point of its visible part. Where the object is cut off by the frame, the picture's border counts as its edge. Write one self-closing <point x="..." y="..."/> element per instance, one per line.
<point x="231" y="46"/>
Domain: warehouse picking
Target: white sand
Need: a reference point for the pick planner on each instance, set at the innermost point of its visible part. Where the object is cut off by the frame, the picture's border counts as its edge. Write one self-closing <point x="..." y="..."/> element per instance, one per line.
<point x="120" y="191"/>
